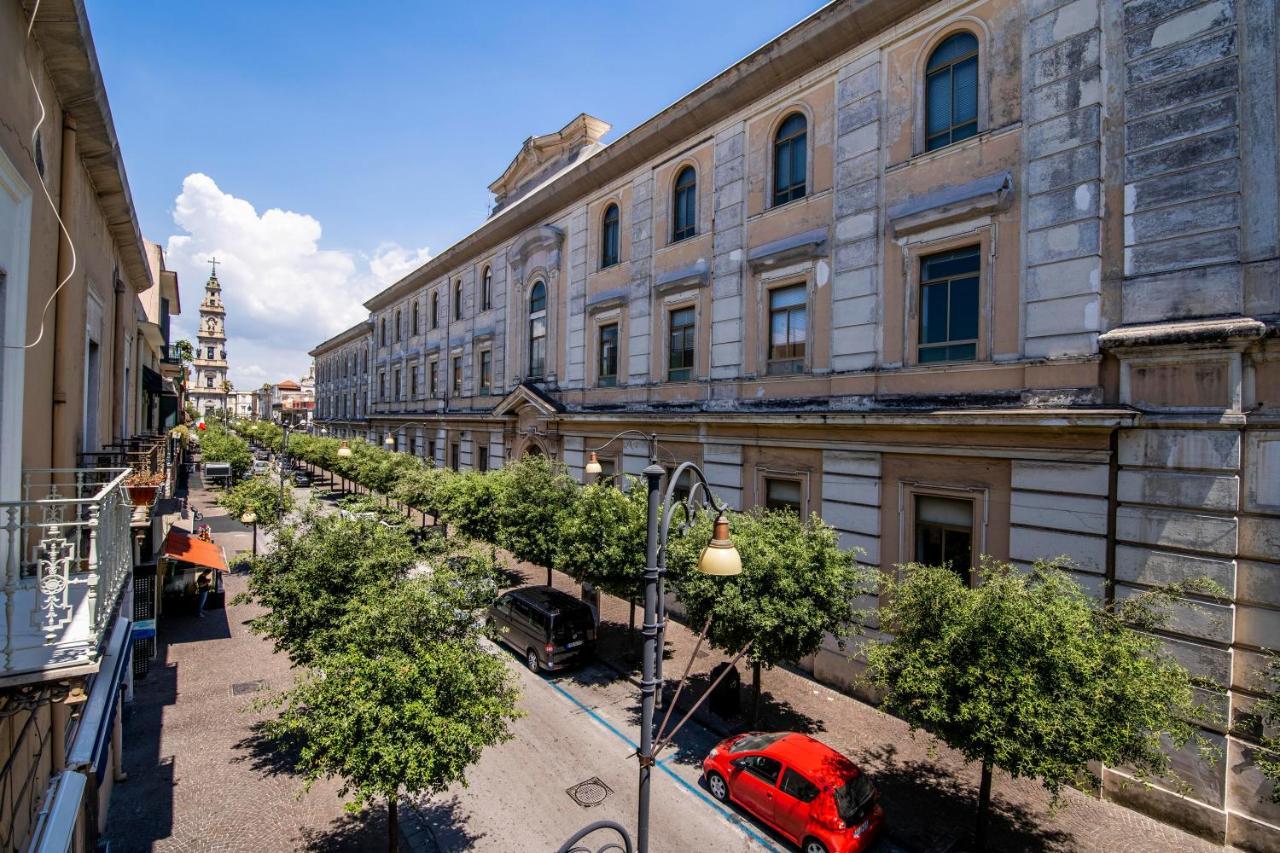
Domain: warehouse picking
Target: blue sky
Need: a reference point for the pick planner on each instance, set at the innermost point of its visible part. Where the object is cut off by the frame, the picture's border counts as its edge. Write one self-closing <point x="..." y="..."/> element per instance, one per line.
<point x="372" y="128"/>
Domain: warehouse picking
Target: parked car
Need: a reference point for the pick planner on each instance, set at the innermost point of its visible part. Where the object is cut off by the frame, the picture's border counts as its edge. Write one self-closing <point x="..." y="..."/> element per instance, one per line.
<point x="552" y="629"/>
<point x="260" y="467"/>
<point x="800" y="787"/>
<point x="301" y="477"/>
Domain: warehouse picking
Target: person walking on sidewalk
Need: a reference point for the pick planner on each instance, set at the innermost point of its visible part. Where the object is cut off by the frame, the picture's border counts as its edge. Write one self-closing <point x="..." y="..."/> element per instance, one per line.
<point x="204" y="581"/>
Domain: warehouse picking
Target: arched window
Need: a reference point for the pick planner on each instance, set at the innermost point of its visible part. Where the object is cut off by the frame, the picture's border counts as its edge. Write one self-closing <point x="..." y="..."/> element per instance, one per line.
<point x="457" y="299"/>
<point x="537" y="330"/>
<point x="435" y="309"/>
<point x="790" y="160"/>
<point x="684" y="205"/>
<point x="609" y="237"/>
<point x="486" y="290"/>
<point x="951" y="92"/>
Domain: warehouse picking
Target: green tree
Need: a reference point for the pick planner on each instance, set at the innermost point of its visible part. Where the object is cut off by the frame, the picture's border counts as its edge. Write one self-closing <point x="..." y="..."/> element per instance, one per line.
<point x="220" y="445"/>
<point x="538" y="492"/>
<point x="319" y="566"/>
<point x="261" y="496"/>
<point x="185" y="351"/>
<point x="603" y="538"/>
<point x="1029" y="674"/>
<point x="472" y="501"/>
<point x="796" y="586"/>
<point x="406" y="700"/>
<point x="420" y="488"/>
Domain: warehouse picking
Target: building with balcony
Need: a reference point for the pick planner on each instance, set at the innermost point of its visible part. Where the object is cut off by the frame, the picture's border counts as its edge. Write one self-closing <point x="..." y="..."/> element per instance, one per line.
<point x="964" y="278"/>
<point x="83" y="415"/>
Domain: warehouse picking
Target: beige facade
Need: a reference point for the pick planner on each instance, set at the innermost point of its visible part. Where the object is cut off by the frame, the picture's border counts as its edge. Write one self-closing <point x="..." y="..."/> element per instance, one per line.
<point x="87" y="390"/>
<point x="1032" y="320"/>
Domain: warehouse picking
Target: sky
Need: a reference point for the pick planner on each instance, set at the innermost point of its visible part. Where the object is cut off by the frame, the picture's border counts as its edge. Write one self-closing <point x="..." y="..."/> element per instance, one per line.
<point x="322" y="150"/>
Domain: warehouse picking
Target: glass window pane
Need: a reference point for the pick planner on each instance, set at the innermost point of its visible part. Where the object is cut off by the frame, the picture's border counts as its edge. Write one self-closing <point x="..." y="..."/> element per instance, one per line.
<point x="961" y="352"/>
<point x="933" y="314"/>
<point x="964" y="309"/>
<point x="964" y="78"/>
<point x="782" y="169"/>
<point x="799" y="171"/>
<point x="938" y="102"/>
<point x="785" y="296"/>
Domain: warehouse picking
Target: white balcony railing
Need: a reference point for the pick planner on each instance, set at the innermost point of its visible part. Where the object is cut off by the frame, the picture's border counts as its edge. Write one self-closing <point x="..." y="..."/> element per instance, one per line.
<point x="67" y="554"/>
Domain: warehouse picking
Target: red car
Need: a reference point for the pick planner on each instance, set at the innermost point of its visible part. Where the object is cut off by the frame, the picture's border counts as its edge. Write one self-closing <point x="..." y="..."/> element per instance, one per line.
<point x="800" y="787"/>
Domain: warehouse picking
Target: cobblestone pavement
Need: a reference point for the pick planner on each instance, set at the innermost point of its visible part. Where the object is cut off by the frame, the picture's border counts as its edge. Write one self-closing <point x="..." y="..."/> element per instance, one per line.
<point x="196" y="782"/>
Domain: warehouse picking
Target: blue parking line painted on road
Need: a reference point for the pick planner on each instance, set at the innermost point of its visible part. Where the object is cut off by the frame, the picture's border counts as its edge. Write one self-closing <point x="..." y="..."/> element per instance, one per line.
<point x="729" y="816"/>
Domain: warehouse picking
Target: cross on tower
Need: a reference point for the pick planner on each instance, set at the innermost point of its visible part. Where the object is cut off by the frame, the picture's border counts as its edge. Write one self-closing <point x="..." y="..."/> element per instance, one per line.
<point x="213" y="263"/>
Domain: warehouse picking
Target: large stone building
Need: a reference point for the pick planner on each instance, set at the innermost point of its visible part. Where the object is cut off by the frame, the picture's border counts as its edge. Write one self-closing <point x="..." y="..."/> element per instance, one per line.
<point x="965" y="278"/>
<point x="88" y="386"/>
<point x="210" y="388"/>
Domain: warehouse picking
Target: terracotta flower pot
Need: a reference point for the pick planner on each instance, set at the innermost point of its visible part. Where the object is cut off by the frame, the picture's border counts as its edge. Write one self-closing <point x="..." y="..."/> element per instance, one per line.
<point x="142" y="495"/>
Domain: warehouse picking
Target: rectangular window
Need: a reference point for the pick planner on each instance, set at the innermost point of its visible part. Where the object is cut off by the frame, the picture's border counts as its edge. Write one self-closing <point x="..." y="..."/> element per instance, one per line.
<point x="434" y="379"/>
<point x="680" y="348"/>
<point x="415" y="318"/>
<point x="608" y="350"/>
<point x="210" y="349"/>
<point x="384" y="331"/>
<point x="456" y="385"/>
<point x="486" y="372"/>
<point x="413" y="382"/>
<point x="788" y="329"/>
<point x="455" y="456"/>
<point x="382" y="386"/>
<point x="944" y="534"/>
<point x="482" y="458"/>
<point x="431" y="449"/>
<point x="435" y="310"/>
<point x="949" y="306"/>
<point x="397" y="385"/>
<point x="413" y="445"/>
<point x="784" y="494"/>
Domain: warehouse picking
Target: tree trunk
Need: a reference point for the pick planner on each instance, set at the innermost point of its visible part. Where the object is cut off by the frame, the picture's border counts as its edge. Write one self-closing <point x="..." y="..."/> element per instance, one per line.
<point x="393" y="826"/>
<point x="984" y="808"/>
<point x="548" y="576"/>
<point x="755" y="694"/>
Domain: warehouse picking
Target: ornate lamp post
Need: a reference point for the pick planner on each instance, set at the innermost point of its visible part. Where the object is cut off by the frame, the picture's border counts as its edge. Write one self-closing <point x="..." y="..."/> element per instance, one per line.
<point x="251" y="518"/>
<point x="719" y="558"/>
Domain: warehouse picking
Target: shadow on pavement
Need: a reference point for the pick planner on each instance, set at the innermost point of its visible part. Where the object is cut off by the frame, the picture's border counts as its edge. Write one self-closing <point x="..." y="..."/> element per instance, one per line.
<point x="266" y="755"/>
<point x="362" y="831"/>
<point x="447" y="825"/>
<point x="915" y="787"/>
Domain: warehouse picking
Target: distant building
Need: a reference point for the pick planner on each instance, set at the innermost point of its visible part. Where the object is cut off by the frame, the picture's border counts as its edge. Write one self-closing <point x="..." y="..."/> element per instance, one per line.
<point x="210" y="389"/>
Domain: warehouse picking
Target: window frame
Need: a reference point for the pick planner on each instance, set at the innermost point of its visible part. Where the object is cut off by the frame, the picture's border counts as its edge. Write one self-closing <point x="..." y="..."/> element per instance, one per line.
<point x="949" y="68"/>
<point x="610" y="236"/>
<point x="692" y="335"/>
<point x="979" y="496"/>
<point x="608" y="380"/>
<point x="455" y="376"/>
<point x="486" y="289"/>
<point x="949" y="281"/>
<point x="533" y="315"/>
<point x="794" y="191"/>
<point x="435" y="309"/>
<point x="795" y="364"/>
<point x="484" y="371"/>
<point x="457" y="300"/>
<point x="417" y="325"/>
<point x="684" y="200"/>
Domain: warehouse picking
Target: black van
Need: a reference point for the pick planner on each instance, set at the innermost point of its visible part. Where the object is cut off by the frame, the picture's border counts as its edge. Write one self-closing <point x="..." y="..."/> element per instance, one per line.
<point x="552" y="629"/>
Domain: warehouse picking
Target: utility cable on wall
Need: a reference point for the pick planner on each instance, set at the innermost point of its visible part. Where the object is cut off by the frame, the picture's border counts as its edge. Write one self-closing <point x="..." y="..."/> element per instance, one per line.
<point x="35" y="142"/>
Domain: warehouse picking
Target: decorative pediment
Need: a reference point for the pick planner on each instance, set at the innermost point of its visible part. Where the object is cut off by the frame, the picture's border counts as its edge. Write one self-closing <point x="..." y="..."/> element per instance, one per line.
<point x="540" y="155"/>
<point x="525" y="396"/>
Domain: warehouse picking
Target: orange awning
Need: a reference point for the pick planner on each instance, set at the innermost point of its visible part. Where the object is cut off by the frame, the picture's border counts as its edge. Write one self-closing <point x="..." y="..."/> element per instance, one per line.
<point x="180" y="545"/>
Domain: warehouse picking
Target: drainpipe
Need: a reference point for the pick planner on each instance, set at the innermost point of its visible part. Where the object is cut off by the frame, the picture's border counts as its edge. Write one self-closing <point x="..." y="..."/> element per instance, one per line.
<point x="66" y="342"/>
<point x="1113" y="503"/>
<point x="119" y="424"/>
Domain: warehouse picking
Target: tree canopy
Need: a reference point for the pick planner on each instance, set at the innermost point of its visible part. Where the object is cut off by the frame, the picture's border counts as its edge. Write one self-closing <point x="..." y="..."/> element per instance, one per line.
<point x="602" y="538"/>
<point x="797" y="585"/>
<point x="1027" y="673"/>
<point x="260" y="495"/>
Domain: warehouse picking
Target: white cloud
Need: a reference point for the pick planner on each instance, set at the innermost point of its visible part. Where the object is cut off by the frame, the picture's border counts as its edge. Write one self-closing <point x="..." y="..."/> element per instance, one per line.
<point x="283" y="292"/>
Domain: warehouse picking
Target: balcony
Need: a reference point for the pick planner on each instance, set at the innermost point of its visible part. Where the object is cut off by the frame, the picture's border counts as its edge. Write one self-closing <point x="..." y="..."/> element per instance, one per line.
<point x="68" y="554"/>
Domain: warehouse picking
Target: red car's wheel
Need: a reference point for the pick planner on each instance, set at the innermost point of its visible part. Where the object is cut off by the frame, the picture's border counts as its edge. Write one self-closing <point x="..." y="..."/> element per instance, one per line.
<point x="718" y="787"/>
<point x="813" y="845"/>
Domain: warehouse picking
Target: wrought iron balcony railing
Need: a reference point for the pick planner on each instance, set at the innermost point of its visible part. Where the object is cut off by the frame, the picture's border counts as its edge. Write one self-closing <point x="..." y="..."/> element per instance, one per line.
<point x="67" y="555"/>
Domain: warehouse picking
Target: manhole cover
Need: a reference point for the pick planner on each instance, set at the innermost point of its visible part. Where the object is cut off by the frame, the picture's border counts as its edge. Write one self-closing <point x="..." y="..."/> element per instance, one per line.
<point x="242" y="687"/>
<point x="589" y="793"/>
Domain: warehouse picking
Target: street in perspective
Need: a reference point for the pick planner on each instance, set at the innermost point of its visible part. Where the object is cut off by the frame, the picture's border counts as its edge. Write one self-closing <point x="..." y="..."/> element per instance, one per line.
<point x="835" y="427"/>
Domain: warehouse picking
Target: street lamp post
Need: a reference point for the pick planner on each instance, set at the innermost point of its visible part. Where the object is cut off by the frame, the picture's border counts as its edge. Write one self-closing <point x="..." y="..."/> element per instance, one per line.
<point x="251" y="518"/>
<point x="719" y="557"/>
<point x="284" y="457"/>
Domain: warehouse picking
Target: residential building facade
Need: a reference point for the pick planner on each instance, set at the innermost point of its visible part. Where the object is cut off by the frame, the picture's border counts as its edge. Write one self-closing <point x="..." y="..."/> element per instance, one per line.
<point x="86" y="393"/>
<point x="964" y="278"/>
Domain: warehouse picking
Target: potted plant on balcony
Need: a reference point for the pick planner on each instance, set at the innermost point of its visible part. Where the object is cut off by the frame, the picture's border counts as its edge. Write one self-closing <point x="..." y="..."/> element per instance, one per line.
<point x="142" y="487"/>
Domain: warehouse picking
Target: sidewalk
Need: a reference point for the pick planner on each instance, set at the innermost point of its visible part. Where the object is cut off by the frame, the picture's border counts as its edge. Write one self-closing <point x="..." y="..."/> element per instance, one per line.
<point x="197" y="779"/>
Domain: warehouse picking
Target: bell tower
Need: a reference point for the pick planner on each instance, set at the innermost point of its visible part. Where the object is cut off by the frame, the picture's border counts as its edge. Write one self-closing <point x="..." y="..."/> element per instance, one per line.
<point x="210" y="390"/>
